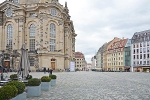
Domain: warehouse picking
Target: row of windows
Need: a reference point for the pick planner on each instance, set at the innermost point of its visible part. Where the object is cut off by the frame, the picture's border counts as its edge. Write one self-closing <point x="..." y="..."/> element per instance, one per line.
<point x="141" y="50"/>
<point x="141" y="62"/>
<point x="32" y="34"/>
<point x="144" y="44"/>
<point x="79" y="59"/>
<point x="141" y="56"/>
<point x="119" y="58"/>
<point x="78" y="65"/>
<point x="119" y="63"/>
<point x="78" y="62"/>
<point x="118" y="54"/>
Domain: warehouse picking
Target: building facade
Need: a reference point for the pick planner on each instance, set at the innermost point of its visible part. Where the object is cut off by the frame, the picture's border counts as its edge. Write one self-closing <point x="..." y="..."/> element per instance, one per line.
<point x="100" y="57"/>
<point x="80" y="62"/>
<point x="115" y="54"/>
<point x="89" y="66"/>
<point x="104" y="64"/>
<point x="93" y="59"/>
<point x="44" y="26"/>
<point x="127" y="56"/>
<point x="140" y="51"/>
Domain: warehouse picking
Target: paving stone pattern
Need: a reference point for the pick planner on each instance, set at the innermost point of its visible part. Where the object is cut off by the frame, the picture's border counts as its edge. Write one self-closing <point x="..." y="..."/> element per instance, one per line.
<point x="97" y="86"/>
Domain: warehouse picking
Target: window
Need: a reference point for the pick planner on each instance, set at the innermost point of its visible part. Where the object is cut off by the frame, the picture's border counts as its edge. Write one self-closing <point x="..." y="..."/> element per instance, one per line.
<point x="148" y="48"/>
<point x="9" y="35"/>
<point x="144" y="63"/>
<point x="52" y="31"/>
<point x="32" y="31"/>
<point x="148" y="43"/>
<point x="144" y="50"/>
<point x="32" y="44"/>
<point x="134" y="51"/>
<point x="31" y="60"/>
<point x="137" y="56"/>
<point x="147" y="55"/>
<point x="9" y="12"/>
<point x="52" y="44"/>
<point x="134" y="57"/>
<point x="140" y="56"/>
<point x="9" y="31"/>
<point x="53" y="12"/>
<point x="9" y="43"/>
<point x="144" y="56"/>
<point x="15" y="1"/>
<point x="140" y="50"/>
<point x="140" y="62"/>
<point x="144" y="44"/>
<point x="137" y="46"/>
<point x="147" y="62"/>
<point x="140" y="44"/>
<point x="137" y="50"/>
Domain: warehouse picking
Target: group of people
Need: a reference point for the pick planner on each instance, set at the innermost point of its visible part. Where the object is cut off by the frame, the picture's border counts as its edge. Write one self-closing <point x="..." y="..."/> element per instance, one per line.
<point x="48" y="70"/>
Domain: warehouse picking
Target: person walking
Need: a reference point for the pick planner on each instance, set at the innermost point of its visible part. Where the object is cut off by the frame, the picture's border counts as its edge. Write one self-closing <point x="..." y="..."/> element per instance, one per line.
<point x="44" y="70"/>
<point x="48" y="70"/>
<point x="51" y="70"/>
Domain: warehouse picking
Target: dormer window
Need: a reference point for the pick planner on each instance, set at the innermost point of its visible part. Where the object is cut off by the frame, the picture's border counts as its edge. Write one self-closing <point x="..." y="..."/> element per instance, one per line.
<point x="15" y="1"/>
<point x="53" y="12"/>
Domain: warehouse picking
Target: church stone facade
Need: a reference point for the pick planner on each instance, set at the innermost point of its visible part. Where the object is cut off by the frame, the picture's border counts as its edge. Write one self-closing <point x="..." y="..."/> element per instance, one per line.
<point x="46" y="29"/>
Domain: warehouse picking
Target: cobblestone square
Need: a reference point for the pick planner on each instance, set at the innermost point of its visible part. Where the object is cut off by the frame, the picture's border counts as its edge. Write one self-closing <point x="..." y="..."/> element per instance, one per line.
<point x="97" y="86"/>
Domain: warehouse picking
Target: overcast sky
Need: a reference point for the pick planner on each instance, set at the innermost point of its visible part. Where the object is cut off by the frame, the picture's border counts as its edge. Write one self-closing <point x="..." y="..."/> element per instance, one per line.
<point x="99" y="21"/>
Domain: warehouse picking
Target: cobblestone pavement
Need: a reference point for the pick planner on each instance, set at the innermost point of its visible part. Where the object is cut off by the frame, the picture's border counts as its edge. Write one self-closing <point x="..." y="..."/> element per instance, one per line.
<point x="97" y="86"/>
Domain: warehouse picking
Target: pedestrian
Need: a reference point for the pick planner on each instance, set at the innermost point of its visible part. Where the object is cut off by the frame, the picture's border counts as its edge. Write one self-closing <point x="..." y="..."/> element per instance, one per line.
<point x="44" y="70"/>
<point x="51" y="70"/>
<point x="48" y="70"/>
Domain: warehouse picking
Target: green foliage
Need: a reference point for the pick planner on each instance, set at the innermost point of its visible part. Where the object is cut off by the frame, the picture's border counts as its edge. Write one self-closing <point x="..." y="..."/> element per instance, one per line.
<point x="7" y="92"/>
<point x="34" y="82"/>
<point x="13" y="76"/>
<point x="29" y="77"/>
<point x="53" y="76"/>
<point x="19" y="85"/>
<point x="45" y="79"/>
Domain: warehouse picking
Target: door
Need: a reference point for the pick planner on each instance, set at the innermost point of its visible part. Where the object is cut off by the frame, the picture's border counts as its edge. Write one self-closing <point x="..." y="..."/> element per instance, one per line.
<point x="53" y="65"/>
<point x="7" y="64"/>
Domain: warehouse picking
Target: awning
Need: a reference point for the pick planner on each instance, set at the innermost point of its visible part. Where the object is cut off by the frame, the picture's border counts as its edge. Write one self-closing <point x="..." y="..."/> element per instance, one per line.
<point x="127" y="67"/>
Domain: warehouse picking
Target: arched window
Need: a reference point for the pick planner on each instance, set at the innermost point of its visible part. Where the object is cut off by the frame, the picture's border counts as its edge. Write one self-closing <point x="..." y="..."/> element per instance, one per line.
<point x="52" y="30"/>
<point x="52" y="37"/>
<point x="9" y="31"/>
<point x="9" y="35"/>
<point x="32" y="37"/>
<point x="32" y="31"/>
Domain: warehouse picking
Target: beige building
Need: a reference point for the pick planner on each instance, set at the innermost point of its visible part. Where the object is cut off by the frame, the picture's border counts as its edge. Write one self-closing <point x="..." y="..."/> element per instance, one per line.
<point x="44" y="26"/>
<point x="115" y="54"/>
<point x="80" y="62"/>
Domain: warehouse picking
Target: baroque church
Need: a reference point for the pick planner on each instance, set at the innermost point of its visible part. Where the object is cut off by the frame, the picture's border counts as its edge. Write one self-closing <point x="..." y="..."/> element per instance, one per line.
<point x="46" y="29"/>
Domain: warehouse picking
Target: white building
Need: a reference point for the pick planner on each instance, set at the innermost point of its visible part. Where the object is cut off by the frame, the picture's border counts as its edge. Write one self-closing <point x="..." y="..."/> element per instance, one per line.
<point x="140" y="51"/>
<point x="93" y="62"/>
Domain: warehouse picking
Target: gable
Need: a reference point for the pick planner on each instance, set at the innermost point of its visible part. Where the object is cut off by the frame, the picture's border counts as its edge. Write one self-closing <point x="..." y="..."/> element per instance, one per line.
<point x="8" y="4"/>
